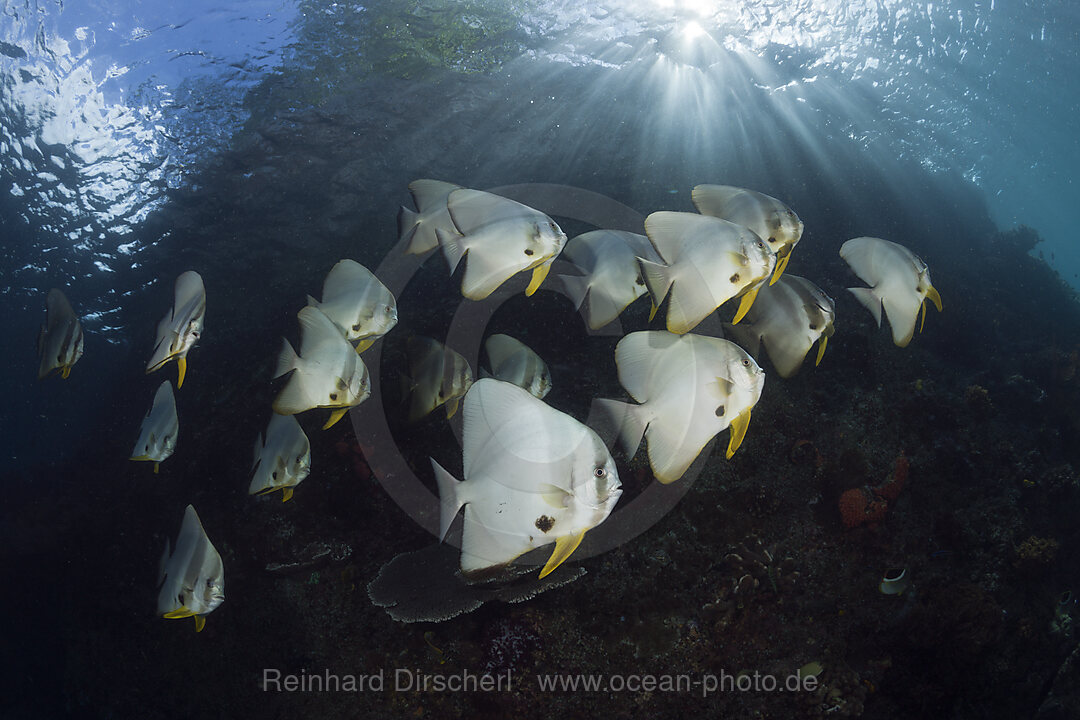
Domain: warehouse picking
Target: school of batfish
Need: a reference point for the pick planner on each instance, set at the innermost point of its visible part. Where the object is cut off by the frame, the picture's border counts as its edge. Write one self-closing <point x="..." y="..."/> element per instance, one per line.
<point x="531" y="475"/>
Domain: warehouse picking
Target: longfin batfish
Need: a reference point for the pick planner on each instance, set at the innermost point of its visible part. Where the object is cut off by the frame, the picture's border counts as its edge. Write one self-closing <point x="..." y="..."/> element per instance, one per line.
<point x="899" y="282"/>
<point x="501" y="237"/>
<point x="60" y="342"/>
<point x="773" y="221"/>
<point x="181" y="327"/>
<point x="533" y="476"/>
<point x="193" y="576"/>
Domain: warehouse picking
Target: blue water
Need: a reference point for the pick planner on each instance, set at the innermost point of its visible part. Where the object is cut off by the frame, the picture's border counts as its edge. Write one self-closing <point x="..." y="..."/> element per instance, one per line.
<point x="260" y="141"/>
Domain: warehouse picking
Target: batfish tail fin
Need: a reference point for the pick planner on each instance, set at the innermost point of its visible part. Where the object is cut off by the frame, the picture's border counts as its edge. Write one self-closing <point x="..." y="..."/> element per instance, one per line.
<point x="287" y="359"/>
<point x="577" y="287"/>
<point x="449" y="500"/>
<point x="453" y="246"/>
<point x="407" y="221"/>
<point x="628" y="421"/>
<point x="657" y="279"/>
<point x="869" y="300"/>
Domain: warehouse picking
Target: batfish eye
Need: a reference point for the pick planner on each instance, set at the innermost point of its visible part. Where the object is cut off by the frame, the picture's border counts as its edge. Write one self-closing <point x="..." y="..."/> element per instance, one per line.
<point x="746" y="362"/>
<point x="600" y="472"/>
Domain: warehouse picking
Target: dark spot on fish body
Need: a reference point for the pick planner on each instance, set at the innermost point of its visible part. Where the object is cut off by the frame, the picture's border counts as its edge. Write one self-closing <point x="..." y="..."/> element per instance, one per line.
<point x="720" y="411"/>
<point x="544" y="523"/>
<point x="333" y="396"/>
<point x="734" y="278"/>
<point x="529" y="251"/>
<point x="640" y="280"/>
<point x="813" y="326"/>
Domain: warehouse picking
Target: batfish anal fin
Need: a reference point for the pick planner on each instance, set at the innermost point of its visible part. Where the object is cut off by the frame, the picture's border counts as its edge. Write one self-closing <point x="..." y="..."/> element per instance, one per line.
<point x="539" y="273"/>
<point x="180" y="612"/>
<point x="781" y="263"/>
<point x="744" y="305"/>
<point x="821" y="349"/>
<point x="564" y="548"/>
<point x="934" y="298"/>
<point x="334" y="417"/>
<point x="738" y="428"/>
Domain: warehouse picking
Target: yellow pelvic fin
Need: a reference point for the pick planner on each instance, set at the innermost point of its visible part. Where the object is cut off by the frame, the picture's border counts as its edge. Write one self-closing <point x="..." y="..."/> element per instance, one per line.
<point x="181" y="366"/>
<point x="335" y="416"/>
<point x="200" y="623"/>
<point x="934" y="298"/>
<point x="140" y="458"/>
<point x="539" y="273"/>
<point x="564" y="548"/>
<point x="452" y="407"/>
<point x="821" y="349"/>
<point x="65" y="372"/>
<point x="180" y="612"/>
<point x="365" y="343"/>
<point x="922" y="315"/>
<point x="744" y="306"/>
<point x="738" y="431"/>
<point x="286" y="494"/>
<point x="653" y="309"/>
<point x="781" y="264"/>
<point x="157" y="466"/>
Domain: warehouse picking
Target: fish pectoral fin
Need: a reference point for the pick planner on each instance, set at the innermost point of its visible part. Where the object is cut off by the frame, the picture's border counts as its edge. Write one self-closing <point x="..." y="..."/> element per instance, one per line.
<point x="781" y="264"/>
<point x="554" y="496"/>
<point x="286" y="494"/>
<point x="737" y="429"/>
<point x="564" y="548"/>
<point x="538" y="274"/>
<point x="365" y="343"/>
<point x="934" y="298"/>
<point x="181" y="366"/>
<point x="334" y="417"/>
<point x="200" y="623"/>
<point x="180" y="612"/>
<point x="744" y="305"/>
<point x="452" y="407"/>
<point x="821" y="349"/>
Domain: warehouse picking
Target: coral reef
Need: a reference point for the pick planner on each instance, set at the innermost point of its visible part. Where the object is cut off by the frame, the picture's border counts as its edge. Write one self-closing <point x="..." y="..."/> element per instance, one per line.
<point x="868" y="505"/>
